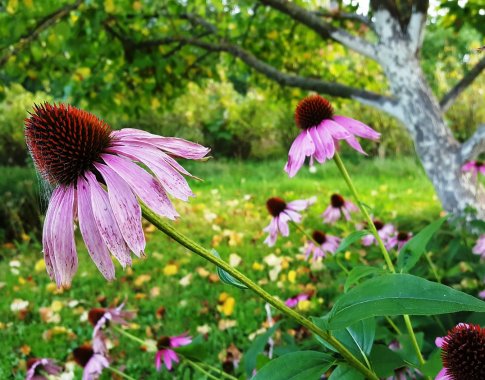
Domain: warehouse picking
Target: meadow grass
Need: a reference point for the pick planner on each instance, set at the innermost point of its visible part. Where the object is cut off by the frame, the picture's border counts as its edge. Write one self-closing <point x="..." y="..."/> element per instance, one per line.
<point x="228" y="214"/>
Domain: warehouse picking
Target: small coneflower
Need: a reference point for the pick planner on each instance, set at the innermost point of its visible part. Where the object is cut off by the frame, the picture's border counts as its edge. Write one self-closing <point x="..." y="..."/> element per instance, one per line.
<point x="282" y="213"/>
<point x="385" y="231"/>
<point x="399" y="239"/>
<point x="97" y="180"/>
<point x="479" y="247"/>
<point x="321" y="245"/>
<point x="338" y="207"/>
<point x="293" y="301"/>
<point x="165" y="352"/>
<point x="40" y="369"/>
<point x="320" y="132"/>
<point x="462" y="353"/>
<point x="474" y="167"/>
<point x="93" y="362"/>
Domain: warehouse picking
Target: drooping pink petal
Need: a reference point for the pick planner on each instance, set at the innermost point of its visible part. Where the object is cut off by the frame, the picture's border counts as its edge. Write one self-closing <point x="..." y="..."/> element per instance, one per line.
<point x="92" y="238"/>
<point x="143" y="184"/>
<point x="320" y="146"/>
<point x="302" y="147"/>
<point x="180" y="340"/>
<point x="62" y="235"/>
<point x="47" y="243"/>
<point x="337" y="131"/>
<point x="158" y="360"/>
<point x="126" y="209"/>
<point x="283" y="224"/>
<point x="106" y="222"/>
<point x="293" y="215"/>
<point x="167" y="358"/>
<point x="352" y="141"/>
<point x="325" y="136"/>
<point x="173" y="355"/>
<point x="443" y="375"/>
<point x="357" y="128"/>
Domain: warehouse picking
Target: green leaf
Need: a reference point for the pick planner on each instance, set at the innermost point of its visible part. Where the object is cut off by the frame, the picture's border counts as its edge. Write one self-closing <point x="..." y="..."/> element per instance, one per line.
<point x="300" y="365"/>
<point x="384" y="361"/>
<point x="345" y="372"/>
<point x="407" y="351"/>
<point x="397" y="294"/>
<point x="358" y="338"/>
<point x="351" y="239"/>
<point x="226" y="277"/>
<point x="360" y="272"/>
<point x="256" y="348"/>
<point x="433" y="365"/>
<point x="414" y="248"/>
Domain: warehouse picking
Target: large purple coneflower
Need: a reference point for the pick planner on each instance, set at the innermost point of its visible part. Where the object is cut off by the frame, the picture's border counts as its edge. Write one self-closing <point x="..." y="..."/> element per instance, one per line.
<point x="165" y="352"/>
<point x="479" y="247"/>
<point x="322" y="244"/>
<point x="93" y="362"/>
<point x="398" y="240"/>
<point x="338" y="207"/>
<point x="385" y="231"/>
<point x="96" y="179"/>
<point x="283" y="213"/>
<point x="40" y="369"/>
<point x="463" y="353"/>
<point x="474" y="167"/>
<point x="320" y="132"/>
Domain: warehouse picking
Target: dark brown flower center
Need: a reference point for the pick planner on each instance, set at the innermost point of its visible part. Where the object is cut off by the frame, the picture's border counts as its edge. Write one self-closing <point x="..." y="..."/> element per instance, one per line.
<point x="463" y="352"/>
<point x="83" y="354"/>
<point x="478" y="163"/>
<point x="95" y="315"/>
<point x="378" y="225"/>
<point x="319" y="237"/>
<point x="337" y="201"/>
<point x="402" y="236"/>
<point x="275" y="206"/>
<point x="64" y="141"/>
<point x="311" y="111"/>
<point x="163" y="342"/>
<point x="31" y="362"/>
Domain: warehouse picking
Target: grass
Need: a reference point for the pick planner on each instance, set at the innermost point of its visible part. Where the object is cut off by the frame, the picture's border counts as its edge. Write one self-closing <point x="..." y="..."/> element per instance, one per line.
<point x="228" y="214"/>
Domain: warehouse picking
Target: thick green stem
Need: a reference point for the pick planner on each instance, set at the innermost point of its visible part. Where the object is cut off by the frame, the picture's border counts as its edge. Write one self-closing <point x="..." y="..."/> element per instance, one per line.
<point x="168" y="229"/>
<point x="119" y="373"/>
<point x="200" y="369"/>
<point x="380" y="243"/>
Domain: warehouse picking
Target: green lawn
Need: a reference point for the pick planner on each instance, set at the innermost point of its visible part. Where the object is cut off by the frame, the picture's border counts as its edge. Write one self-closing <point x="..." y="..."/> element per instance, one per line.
<point x="228" y="214"/>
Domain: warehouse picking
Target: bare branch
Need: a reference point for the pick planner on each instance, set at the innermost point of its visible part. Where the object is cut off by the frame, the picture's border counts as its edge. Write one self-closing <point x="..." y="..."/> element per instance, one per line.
<point x="474" y="145"/>
<point x="311" y="20"/>
<point x="462" y="85"/>
<point x="41" y="25"/>
<point x="417" y="24"/>
<point x="339" y="15"/>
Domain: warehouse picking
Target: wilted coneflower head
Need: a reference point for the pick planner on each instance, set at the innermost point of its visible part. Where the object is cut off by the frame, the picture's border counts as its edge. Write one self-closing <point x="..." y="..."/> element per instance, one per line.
<point x="93" y="362"/>
<point x="37" y="368"/>
<point x="337" y="208"/>
<point x="282" y="213"/>
<point x="463" y="353"/>
<point x="321" y="245"/>
<point x="97" y="180"/>
<point x="320" y="130"/>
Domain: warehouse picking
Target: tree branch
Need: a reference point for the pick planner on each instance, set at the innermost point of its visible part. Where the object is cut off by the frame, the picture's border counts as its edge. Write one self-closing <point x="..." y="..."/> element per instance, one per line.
<point x="339" y="15"/>
<point x="417" y="24"/>
<point x="474" y="145"/>
<point x="311" y="20"/>
<point x="448" y="100"/>
<point x="41" y="25"/>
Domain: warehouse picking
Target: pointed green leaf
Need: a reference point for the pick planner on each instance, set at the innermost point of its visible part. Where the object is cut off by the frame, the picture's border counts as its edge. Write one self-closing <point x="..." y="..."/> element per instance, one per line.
<point x="226" y="277"/>
<point x="351" y="239"/>
<point x="345" y="372"/>
<point x="360" y="272"/>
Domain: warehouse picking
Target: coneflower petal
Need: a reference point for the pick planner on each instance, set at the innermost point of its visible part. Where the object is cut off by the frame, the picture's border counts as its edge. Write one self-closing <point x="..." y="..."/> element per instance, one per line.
<point x="357" y="128"/>
<point x="62" y="235"/>
<point x="126" y="209"/>
<point x="320" y="149"/>
<point x="106" y="222"/>
<point x="94" y="242"/>
<point x="47" y="242"/>
<point x="302" y="147"/>
<point x="352" y="141"/>
<point x="143" y="184"/>
<point x="328" y="142"/>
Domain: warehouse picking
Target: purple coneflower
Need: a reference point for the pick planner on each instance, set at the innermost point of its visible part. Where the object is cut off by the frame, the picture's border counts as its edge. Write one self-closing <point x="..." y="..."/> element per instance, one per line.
<point x="37" y="368"/>
<point x="293" y="301"/>
<point x="338" y="207"/>
<point x="398" y="240"/>
<point x="385" y="231"/>
<point x="320" y="130"/>
<point x="474" y="167"/>
<point x="479" y="248"/>
<point x="93" y="362"/>
<point x="463" y="353"/>
<point x="96" y="179"/>
<point x="322" y="244"/>
<point x="283" y="213"/>
<point x="101" y="317"/>
<point x="165" y="352"/>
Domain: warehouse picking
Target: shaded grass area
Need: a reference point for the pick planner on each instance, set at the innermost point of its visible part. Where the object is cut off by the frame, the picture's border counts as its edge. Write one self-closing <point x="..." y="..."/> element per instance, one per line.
<point x="228" y="214"/>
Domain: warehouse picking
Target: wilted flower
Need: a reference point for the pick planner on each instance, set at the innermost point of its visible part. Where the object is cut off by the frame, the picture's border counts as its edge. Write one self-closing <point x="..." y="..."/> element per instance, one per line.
<point x="385" y="231"/>
<point x="322" y="244"/>
<point x="282" y="213"/>
<point x="479" y="248"/>
<point x="165" y="352"/>
<point x="463" y="353"/>
<point x="474" y="167"/>
<point x="320" y="131"/>
<point x="97" y="181"/>
<point x="338" y="207"/>
<point x="37" y="368"/>
<point x="398" y="240"/>
<point x="93" y="362"/>
<point x="293" y="301"/>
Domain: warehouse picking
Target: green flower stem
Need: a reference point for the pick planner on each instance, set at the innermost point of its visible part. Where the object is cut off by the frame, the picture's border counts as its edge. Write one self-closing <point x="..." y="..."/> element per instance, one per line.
<point x="302" y="230"/>
<point x="169" y="230"/>
<point x="432" y="266"/>
<point x="210" y="368"/>
<point x="393" y="325"/>
<point x="119" y="373"/>
<point x="130" y="336"/>
<point x="380" y="243"/>
<point x="200" y="369"/>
